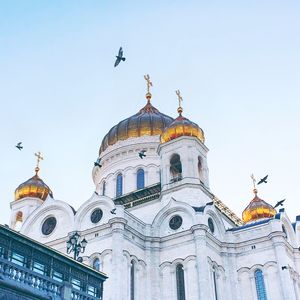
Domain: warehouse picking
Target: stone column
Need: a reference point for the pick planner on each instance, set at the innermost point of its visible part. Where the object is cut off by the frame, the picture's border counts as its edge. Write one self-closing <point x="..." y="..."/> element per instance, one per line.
<point x="155" y="278"/>
<point x="199" y="232"/>
<point x="286" y="283"/>
<point x="117" y="229"/>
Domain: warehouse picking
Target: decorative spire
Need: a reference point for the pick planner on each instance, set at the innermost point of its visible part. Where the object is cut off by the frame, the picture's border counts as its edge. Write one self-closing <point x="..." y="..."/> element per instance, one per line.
<point x="254" y="184"/>
<point x="149" y="84"/>
<point x="179" y="109"/>
<point x="39" y="157"/>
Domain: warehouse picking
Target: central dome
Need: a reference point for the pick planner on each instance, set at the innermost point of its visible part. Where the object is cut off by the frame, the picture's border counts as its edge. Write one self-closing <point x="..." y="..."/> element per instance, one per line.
<point x="148" y="121"/>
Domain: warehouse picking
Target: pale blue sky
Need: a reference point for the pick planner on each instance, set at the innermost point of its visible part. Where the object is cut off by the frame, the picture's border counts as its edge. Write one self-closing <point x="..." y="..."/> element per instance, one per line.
<point x="236" y="63"/>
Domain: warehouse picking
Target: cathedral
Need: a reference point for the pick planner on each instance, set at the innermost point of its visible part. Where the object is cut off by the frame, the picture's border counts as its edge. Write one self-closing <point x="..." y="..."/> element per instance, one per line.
<point x="154" y="226"/>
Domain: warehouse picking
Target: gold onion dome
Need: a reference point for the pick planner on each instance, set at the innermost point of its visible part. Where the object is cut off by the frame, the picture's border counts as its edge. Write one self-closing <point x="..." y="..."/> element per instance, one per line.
<point x="34" y="187"/>
<point x="148" y="121"/>
<point x="181" y="126"/>
<point x="258" y="209"/>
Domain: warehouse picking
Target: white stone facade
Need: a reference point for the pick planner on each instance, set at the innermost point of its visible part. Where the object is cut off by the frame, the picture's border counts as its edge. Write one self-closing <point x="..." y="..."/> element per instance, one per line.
<point x="218" y="263"/>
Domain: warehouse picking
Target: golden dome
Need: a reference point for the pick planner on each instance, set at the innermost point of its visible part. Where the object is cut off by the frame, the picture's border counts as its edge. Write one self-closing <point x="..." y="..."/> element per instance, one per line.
<point x="34" y="187"/>
<point x="182" y="126"/>
<point x="148" y="121"/>
<point x="258" y="209"/>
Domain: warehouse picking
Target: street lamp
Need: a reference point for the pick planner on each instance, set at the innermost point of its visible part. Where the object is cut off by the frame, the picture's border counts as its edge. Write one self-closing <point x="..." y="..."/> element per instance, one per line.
<point x="74" y="244"/>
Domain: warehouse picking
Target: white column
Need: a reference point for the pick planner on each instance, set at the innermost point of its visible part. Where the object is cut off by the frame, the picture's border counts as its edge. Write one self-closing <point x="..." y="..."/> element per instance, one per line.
<point x="231" y="286"/>
<point x="202" y="263"/>
<point x="117" y="228"/>
<point x="287" y="290"/>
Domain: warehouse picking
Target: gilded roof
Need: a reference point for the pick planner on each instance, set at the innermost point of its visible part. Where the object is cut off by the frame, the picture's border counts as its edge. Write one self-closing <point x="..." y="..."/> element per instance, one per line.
<point x="148" y="121"/>
<point x="33" y="187"/>
<point x="182" y="126"/>
<point x="258" y="209"/>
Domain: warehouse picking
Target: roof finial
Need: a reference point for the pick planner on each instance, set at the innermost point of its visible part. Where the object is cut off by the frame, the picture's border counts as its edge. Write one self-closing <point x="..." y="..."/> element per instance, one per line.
<point x="179" y="109"/>
<point x="149" y="83"/>
<point x="254" y="184"/>
<point x="39" y="158"/>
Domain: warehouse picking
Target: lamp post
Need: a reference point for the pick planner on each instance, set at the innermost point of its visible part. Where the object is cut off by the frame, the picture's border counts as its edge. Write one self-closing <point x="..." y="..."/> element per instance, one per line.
<point x="74" y="244"/>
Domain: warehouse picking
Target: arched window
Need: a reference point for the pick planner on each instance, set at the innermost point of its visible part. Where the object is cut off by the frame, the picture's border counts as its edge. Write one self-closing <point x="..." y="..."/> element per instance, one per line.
<point x="96" y="264"/>
<point x="140" y="179"/>
<point x="103" y="188"/>
<point x="18" y="221"/>
<point x="119" y="187"/>
<point x="19" y="216"/>
<point x="260" y="285"/>
<point x="284" y="231"/>
<point x="132" y="287"/>
<point x="175" y="168"/>
<point x="215" y="283"/>
<point x="180" y="282"/>
<point x="200" y="169"/>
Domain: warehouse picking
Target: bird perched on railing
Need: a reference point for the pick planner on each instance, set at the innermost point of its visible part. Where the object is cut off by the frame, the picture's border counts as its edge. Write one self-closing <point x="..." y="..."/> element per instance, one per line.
<point x="119" y="57"/>
<point x="97" y="162"/>
<point x="19" y="146"/>
<point x="263" y="180"/>
<point x="142" y="154"/>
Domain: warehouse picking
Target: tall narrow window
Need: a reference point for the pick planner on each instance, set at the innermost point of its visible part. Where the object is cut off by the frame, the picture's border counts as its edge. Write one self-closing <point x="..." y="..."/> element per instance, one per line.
<point x="119" y="187"/>
<point x="180" y="282"/>
<point x="140" y="179"/>
<point x="260" y="285"/>
<point x="103" y="188"/>
<point x="215" y="283"/>
<point x="132" y="287"/>
<point x="175" y="168"/>
<point x="19" y="221"/>
<point x="96" y="264"/>
<point x="200" y="169"/>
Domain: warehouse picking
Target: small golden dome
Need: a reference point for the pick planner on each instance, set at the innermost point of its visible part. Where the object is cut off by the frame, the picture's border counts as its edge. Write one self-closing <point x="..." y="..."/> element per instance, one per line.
<point x="258" y="209"/>
<point x="34" y="187"/>
<point x="148" y="121"/>
<point x="182" y="126"/>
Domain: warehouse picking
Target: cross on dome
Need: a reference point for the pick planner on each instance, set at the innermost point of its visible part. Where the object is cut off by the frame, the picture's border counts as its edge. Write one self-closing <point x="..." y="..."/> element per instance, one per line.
<point x="179" y="109"/>
<point x="149" y="84"/>
<point x="39" y="158"/>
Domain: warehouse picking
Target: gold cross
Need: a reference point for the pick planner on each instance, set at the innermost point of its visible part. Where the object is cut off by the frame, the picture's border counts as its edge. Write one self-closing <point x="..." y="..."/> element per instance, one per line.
<point x="149" y="83"/>
<point x="254" y="181"/>
<point x="39" y="158"/>
<point x="179" y="97"/>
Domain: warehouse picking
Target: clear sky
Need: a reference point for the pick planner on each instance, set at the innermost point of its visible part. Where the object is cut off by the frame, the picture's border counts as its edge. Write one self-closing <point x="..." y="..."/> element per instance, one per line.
<point x="236" y="63"/>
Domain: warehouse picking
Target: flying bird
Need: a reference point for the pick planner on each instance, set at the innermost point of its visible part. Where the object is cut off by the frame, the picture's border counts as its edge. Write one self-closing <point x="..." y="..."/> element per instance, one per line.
<point x="142" y="154"/>
<point x="263" y="180"/>
<point x="97" y="163"/>
<point x="113" y="211"/>
<point x="279" y="203"/>
<point x="119" y="57"/>
<point x="19" y="146"/>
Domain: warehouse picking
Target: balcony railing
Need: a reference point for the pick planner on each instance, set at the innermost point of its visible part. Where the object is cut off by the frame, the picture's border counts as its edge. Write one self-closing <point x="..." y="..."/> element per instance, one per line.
<point x="32" y="268"/>
<point x="29" y="280"/>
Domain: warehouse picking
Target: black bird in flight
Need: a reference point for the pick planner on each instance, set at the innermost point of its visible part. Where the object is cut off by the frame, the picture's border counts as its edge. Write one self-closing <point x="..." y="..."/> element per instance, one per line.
<point x="142" y="154"/>
<point x="119" y="57"/>
<point x="97" y="162"/>
<point x="113" y="211"/>
<point x="263" y="180"/>
<point x="279" y="203"/>
<point x="19" y="146"/>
